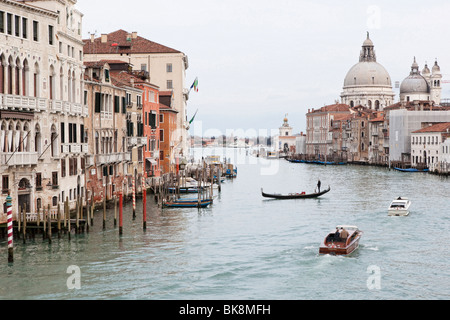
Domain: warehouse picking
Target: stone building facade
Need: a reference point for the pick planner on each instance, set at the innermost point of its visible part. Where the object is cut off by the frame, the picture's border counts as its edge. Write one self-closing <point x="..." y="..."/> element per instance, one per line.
<point x="42" y="106"/>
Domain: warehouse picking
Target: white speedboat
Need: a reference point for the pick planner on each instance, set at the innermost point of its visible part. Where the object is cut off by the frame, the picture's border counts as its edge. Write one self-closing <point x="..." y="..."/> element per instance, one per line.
<point x="399" y="207"/>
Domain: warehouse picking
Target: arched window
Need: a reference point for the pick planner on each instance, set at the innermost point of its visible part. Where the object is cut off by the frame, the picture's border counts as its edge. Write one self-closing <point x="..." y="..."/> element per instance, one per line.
<point x="36" y="79"/>
<point x="2" y="73"/>
<point x="73" y="87"/>
<point x="53" y="142"/>
<point x="37" y="139"/>
<point x="69" y="86"/>
<point x="25" y="78"/>
<point x="18" y="75"/>
<point x="10" y="76"/>
<point x="51" y="83"/>
<point x="26" y="140"/>
<point x="61" y="84"/>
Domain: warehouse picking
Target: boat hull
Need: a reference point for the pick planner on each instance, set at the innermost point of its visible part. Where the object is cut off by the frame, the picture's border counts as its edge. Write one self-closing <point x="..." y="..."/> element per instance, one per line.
<point x="339" y="249"/>
<point x="341" y="246"/>
<point x="398" y="213"/>
<point x="295" y="195"/>
<point x="187" y="204"/>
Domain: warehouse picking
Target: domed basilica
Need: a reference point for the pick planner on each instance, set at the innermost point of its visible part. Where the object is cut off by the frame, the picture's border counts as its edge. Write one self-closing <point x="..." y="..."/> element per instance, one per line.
<point x="368" y="83"/>
<point x="425" y="86"/>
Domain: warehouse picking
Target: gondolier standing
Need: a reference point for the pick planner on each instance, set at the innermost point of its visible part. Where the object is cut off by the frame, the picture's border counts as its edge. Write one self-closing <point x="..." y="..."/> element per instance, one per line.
<point x="318" y="185"/>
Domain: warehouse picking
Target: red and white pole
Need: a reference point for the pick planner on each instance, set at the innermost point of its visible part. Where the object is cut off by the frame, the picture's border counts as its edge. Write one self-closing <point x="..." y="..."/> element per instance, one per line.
<point x="10" y="228"/>
<point x="144" y="201"/>
<point x="134" y="195"/>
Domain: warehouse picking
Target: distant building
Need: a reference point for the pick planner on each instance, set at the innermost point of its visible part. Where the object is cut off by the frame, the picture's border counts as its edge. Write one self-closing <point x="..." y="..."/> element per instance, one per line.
<point x="402" y="122"/>
<point x="319" y="137"/>
<point x="428" y="147"/>
<point x="422" y="87"/>
<point x="284" y="144"/>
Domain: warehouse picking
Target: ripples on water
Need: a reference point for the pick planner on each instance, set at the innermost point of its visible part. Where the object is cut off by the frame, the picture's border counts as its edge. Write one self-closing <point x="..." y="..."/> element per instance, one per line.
<point x="248" y="247"/>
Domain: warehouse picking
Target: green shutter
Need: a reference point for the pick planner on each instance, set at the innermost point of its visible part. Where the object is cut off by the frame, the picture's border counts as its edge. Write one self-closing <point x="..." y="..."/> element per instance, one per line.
<point x="98" y="102"/>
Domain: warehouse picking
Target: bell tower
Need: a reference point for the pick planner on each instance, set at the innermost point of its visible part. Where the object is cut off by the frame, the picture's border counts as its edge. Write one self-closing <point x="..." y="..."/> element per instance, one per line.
<point x="436" y="84"/>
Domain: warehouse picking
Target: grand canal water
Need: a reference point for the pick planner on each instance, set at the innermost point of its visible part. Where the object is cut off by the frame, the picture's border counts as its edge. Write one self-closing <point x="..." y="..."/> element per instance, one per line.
<point x="248" y="247"/>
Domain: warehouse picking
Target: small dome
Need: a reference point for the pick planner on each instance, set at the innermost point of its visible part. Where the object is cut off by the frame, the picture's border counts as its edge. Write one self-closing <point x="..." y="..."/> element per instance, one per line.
<point x="426" y="70"/>
<point x="415" y="82"/>
<point x="436" y="68"/>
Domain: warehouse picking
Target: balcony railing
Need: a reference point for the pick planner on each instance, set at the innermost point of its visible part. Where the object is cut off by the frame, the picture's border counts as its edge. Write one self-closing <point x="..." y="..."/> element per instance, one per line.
<point x="22" y="102"/>
<point x="19" y="159"/>
<point x="136" y="141"/>
<point x="113" y="158"/>
<point x="74" y="148"/>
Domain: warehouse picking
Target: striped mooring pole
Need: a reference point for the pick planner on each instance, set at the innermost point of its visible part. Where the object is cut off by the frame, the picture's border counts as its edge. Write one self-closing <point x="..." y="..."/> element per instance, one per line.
<point x="134" y="195"/>
<point x="144" y="202"/>
<point x="10" y="228"/>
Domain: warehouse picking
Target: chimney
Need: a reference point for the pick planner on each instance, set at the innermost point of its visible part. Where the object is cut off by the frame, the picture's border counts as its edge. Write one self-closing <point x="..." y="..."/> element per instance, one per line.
<point x="92" y="37"/>
<point x="134" y="35"/>
<point x="104" y="38"/>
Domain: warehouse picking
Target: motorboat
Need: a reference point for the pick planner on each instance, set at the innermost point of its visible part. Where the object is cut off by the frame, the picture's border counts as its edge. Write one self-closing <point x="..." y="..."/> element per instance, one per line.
<point x="342" y="241"/>
<point x="399" y="207"/>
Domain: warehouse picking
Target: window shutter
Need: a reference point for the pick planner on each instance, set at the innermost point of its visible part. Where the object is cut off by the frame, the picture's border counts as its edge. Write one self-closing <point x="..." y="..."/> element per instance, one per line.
<point x="98" y="101"/>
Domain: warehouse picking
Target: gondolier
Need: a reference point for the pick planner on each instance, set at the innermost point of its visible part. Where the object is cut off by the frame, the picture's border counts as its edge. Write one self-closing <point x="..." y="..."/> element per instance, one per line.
<point x="318" y="186"/>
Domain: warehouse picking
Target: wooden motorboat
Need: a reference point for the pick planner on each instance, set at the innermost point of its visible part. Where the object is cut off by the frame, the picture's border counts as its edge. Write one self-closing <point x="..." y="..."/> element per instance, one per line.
<point x="302" y="195"/>
<point x="399" y="207"/>
<point x="342" y="241"/>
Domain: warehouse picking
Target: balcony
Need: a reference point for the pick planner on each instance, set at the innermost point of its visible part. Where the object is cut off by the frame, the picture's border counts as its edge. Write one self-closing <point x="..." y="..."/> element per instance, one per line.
<point x="19" y="159"/>
<point x="136" y="141"/>
<point x="74" y="148"/>
<point x="68" y="107"/>
<point x="111" y="158"/>
<point x="22" y="103"/>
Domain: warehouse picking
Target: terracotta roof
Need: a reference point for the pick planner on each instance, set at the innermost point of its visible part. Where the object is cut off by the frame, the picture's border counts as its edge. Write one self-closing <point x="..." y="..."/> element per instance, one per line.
<point x="438" y="127"/>
<point x="164" y="107"/>
<point x="333" y="108"/>
<point x="378" y="119"/>
<point x="121" y="78"/>
<point x="117" y="43"/>
<point x="341" y="117"/>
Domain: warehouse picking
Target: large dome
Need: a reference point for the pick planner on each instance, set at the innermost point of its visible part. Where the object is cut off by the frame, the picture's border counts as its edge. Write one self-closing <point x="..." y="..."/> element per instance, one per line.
<point x="369" y="73"/>
<point x="368" y="83"/>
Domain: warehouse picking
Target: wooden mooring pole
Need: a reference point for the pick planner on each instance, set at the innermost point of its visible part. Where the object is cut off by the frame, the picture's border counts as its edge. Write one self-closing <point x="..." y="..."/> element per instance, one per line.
<point x="120" y="213"/>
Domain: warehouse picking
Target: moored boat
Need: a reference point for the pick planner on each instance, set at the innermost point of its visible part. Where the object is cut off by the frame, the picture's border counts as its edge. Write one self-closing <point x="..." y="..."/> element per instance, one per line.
<point x="343" y="241"/>
<point x="411" y="170"/>
<point x="302" y="195"/>
<point x="187" y="204"/>
<point x="399" y="207"/>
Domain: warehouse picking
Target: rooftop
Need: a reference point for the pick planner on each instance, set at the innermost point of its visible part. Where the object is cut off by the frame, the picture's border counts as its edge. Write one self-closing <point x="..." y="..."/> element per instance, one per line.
<point x="438" y="127"/>
<point x="121" y="41"/>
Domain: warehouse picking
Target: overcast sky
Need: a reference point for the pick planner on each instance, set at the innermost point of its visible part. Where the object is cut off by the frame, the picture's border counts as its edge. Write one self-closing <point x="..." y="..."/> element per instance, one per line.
<point x="257" y="60"/>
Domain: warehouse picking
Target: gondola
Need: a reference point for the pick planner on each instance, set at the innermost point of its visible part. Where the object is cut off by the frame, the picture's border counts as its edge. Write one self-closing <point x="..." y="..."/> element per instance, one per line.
<point x="295" y="195"/>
